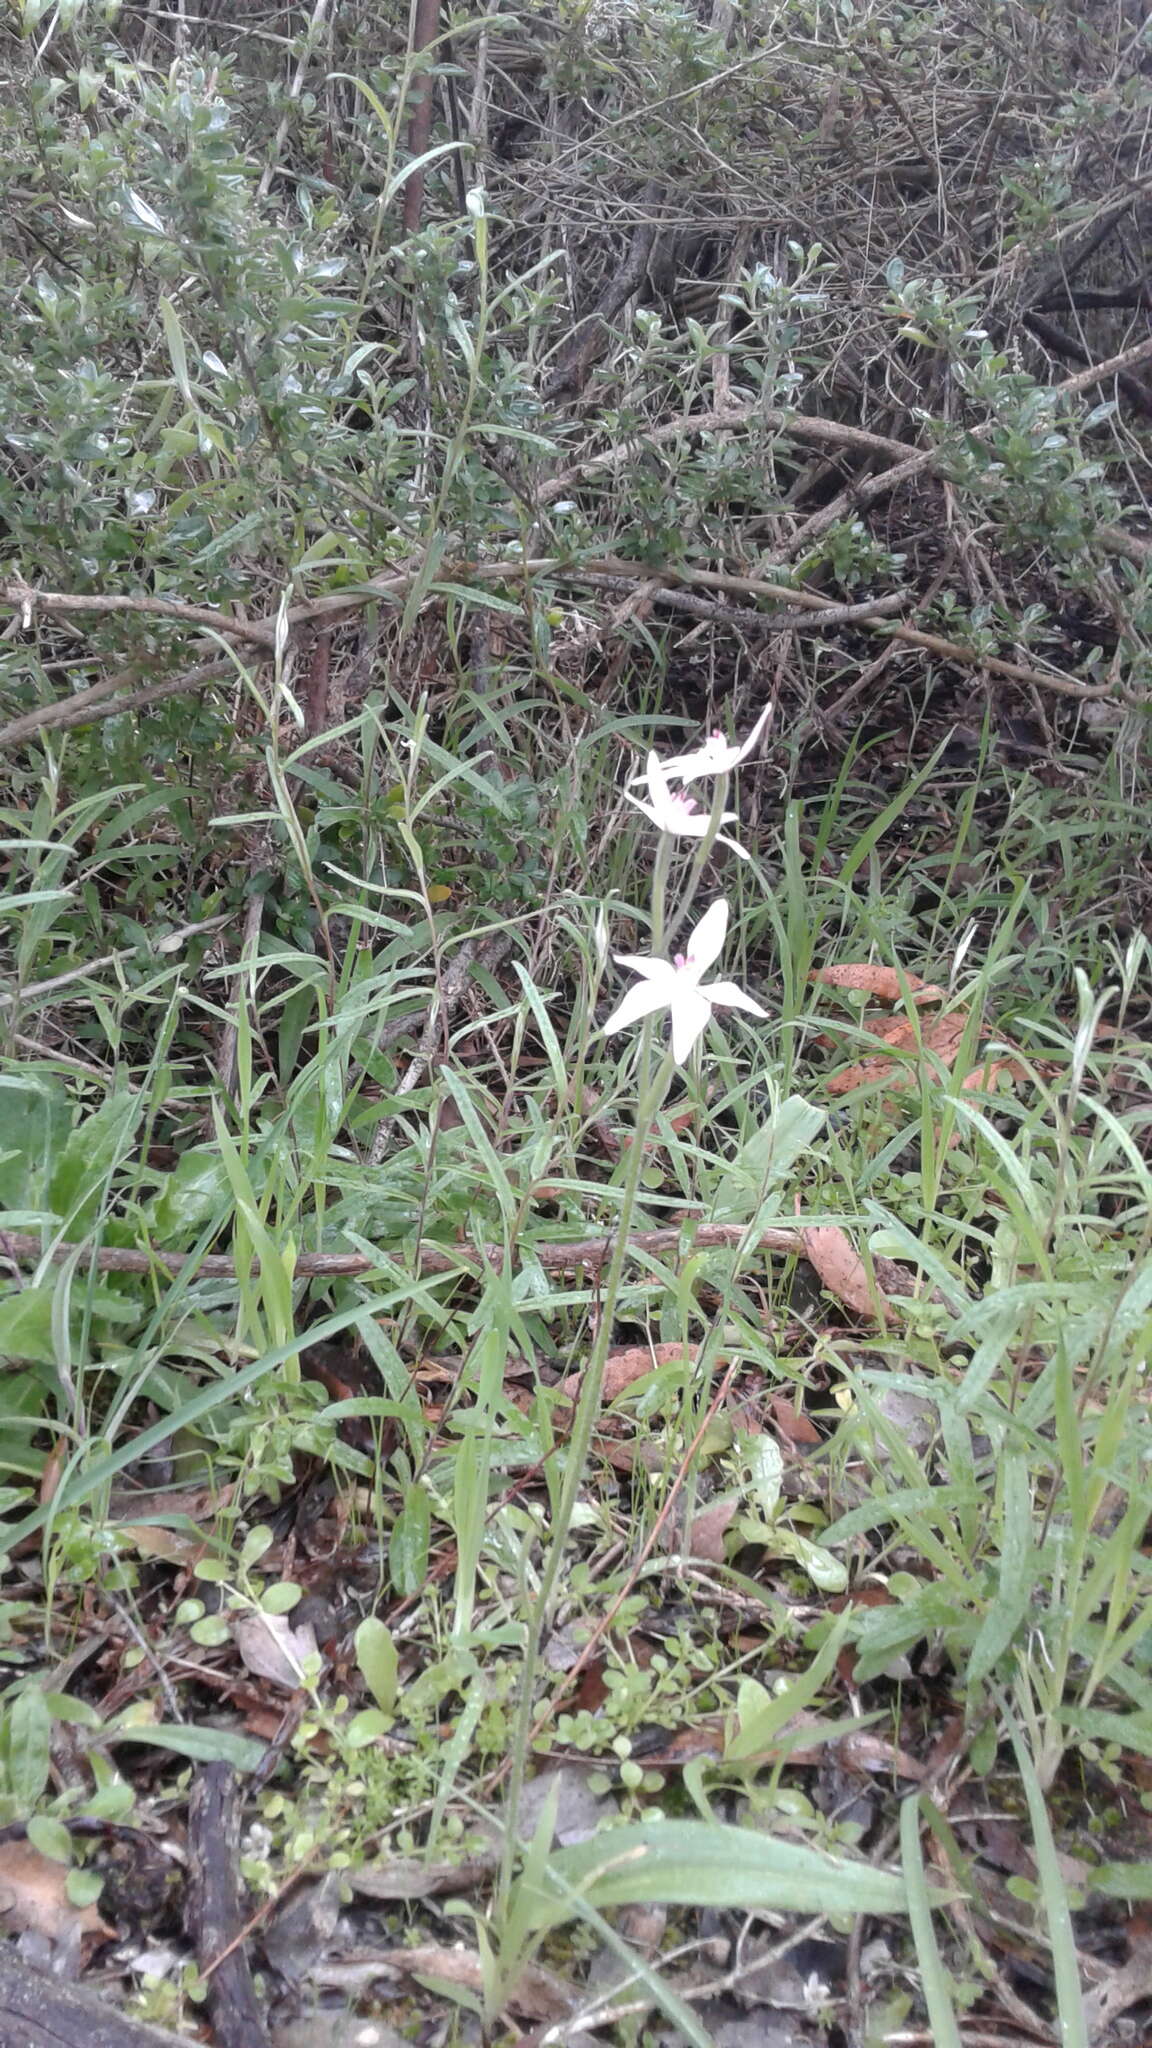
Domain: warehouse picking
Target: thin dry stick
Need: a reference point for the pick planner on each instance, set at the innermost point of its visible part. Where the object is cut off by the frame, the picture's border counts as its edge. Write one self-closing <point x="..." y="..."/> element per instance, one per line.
<point x="24" y="599"/>
<point x="421" y="35"/>
<point x="811" y="602"/>
<point x="452" y="986"/>
<point x="87" y="707"/>
<point x="804" y="618"/>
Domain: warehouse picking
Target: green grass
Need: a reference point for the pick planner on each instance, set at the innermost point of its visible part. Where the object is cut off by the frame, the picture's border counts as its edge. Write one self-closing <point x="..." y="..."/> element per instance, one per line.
<point x="979" y="1463"/>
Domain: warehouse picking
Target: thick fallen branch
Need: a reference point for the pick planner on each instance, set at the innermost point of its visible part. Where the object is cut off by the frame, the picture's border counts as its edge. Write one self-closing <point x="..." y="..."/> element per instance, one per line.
<point x="37" y="2011"/>
<point x="394" y="582"/>
<point x="22" y="1248"/>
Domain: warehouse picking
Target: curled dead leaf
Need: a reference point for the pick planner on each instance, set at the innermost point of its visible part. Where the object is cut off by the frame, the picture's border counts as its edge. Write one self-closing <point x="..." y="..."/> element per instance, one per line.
<point x="941" y="1039"/>
<point x="842" y="1271"/>
<point x="711" y="1525"/>
<point x="271" y="1648"/>
<point x="887" y="984"/>
<point x="34" y="1898"/>
<point x="535" y="1993"/>
<point x="623" y="1368"/>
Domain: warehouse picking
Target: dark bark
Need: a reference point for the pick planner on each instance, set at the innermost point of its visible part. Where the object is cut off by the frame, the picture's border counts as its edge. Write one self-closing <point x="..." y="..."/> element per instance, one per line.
<point x="215" y="1913"/>
<point x="43" y="2012"/>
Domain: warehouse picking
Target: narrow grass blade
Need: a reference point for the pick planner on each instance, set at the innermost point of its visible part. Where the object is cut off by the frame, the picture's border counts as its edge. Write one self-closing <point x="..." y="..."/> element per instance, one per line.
<point x="933" y="1976"/>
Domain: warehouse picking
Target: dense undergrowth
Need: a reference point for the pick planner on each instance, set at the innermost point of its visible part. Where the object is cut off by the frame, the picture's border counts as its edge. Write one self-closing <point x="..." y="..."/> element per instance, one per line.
<point x="690" y="1513"/>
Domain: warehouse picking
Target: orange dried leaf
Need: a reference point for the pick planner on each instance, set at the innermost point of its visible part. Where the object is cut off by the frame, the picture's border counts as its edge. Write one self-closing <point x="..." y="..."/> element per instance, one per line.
<point x="623" y="1368"/>
<point x="706" y="1536"/>
<point x="986" y="1077"/>
<point x="942" y="1038"/>
<point x="885" y="983"/>
<point x="842" y="1271"/>
<point x="791" y="1423"/>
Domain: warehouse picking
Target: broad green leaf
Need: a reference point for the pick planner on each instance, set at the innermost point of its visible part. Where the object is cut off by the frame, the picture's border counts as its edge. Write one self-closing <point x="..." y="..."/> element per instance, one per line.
<point x="1122" y="1880"/>
<point x="83" y="1887"/>
<point x="408" y="1543"/>
<point x="761" y="1716"/>
<point x="689" y="1863"/>
<point x="280" y="1598"/>
<point x="51" y="1837"/>
<point x="26" y="1326"/>
<point x="34" y="1124"/>
<point x="378" y="1661"/>
<point x="94" y="1150"/>
<point x="366" y="1728"/>
<point x="28" y="1737"/>
<point x="201" y="1745"/>
<point x="765" y="1158"/>
<point x="194" y="1194"/>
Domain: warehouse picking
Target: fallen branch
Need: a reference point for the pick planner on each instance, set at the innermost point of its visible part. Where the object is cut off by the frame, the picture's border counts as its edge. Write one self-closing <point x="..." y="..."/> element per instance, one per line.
<point x="41" y="2011"/>
<point x="214" y="1914"/>
<point x="799" y="619"/>
<point x="23" y="1248"/>
<point x="868" y="614"/>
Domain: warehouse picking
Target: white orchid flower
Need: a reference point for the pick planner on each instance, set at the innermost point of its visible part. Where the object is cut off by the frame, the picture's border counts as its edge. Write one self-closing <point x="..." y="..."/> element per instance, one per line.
<point x="717" y="756"/>
<point x="675" y="985"/>
<point x="672" y="811"/>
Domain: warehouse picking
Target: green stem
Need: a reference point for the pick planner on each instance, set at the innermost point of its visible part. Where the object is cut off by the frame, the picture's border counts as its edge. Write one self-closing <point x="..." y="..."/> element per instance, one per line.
<point x="660" y="872"/>
<point x="695" y="873"/>
<point x="579" y="1445"/>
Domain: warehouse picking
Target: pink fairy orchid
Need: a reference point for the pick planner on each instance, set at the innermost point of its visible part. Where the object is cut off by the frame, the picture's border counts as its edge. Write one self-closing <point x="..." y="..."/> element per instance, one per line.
<point x="675" y="985"/>
<point x="672" y="811"/>
<point x="717" y="756"/>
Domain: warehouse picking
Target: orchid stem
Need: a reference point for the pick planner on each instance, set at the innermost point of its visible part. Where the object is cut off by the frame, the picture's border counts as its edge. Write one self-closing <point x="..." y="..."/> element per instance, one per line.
<point x="653" y="1091"/>
<point x="695" y="873"/>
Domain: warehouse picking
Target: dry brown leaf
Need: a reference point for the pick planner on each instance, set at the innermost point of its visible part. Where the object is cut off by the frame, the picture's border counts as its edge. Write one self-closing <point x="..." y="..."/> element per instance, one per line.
<point x="199" y="1503"/>
<point x="173" y="1546"/>
<point x="623" y="1368"/>
<point x="882" y="982"/>
<point x="271" y="1648"/>
<point x="942" y="1039"/>
<point x="536" y="1993"/>
<point x="34" y="1898"/>
<point x="407" y="1877"/>
<point x="865" y="1751"/>
<point x="706" y="1536"/>
<point x="986" y="1076"/>
<point x="790" y="1423"/>
<point x="843" y="1272"/>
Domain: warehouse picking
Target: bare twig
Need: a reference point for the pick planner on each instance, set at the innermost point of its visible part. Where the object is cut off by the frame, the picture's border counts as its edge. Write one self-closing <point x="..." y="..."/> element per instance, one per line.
<point x="22" y="598"/>
<point x="87" y="707"/>
<point x="425" y="21"/>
